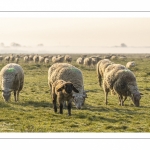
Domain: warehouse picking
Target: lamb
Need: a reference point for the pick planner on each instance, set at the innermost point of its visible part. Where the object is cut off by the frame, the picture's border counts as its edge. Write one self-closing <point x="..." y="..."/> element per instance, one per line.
<point x="100" y="68"/>
<point x="11" y="79"/>
<point x="130" y="64"/>
<point x="68" y="72"/>
<point x="121" y="81"/>
<point x="61" y="92"/>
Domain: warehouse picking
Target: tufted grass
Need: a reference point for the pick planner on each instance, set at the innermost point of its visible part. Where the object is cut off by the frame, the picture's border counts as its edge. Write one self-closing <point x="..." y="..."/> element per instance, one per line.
<point x="34" y="112"/>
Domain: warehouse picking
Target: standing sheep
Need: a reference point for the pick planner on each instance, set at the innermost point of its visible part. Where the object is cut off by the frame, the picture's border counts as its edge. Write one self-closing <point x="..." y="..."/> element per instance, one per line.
<point x="100" y="68"/>
<point x="36" y="59"/>
<point x="121" y="81"/>
<point x="87" y="61"/>
<point x="11" y="79"/>
<point x="46" y="60"/>
<point x="130" y="64"/>
<point x="80" y="60"/>
<point x="68" y="72"/>
<point x="61" y="92"/>
<point x="68" y="58"/>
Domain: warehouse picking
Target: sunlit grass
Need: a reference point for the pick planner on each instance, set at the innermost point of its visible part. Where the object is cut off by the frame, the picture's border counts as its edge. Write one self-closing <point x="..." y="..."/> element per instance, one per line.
<point x="34" y="112"/>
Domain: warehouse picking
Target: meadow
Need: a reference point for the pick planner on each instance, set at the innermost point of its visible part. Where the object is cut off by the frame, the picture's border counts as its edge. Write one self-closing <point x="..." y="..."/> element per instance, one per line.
<point x="34" y="112"/>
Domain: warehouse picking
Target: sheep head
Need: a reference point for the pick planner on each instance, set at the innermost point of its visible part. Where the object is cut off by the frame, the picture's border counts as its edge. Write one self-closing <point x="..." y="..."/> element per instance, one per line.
<point x="6" y="93"/>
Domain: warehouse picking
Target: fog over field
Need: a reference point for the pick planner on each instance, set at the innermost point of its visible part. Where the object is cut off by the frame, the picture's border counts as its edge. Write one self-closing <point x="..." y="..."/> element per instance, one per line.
<point x="74" y="50"/>
<point x="74" y="35"/>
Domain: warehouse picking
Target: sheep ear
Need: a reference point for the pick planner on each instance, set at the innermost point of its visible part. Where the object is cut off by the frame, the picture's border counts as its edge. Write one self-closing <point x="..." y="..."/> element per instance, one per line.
<point x="74" y="89"/>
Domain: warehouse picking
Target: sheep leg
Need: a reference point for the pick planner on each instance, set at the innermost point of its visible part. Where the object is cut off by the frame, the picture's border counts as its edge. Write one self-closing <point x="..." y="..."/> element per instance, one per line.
<point x="61" y="107"/>
<point x="106" y="95"/>
<point x="15" y="96"/>
<point x="55" y="105"/>
<point x="124" y="100"/>
<point x="18" y="95"/>
<point x="121" y="102"/>
<point x="69" y="108"/>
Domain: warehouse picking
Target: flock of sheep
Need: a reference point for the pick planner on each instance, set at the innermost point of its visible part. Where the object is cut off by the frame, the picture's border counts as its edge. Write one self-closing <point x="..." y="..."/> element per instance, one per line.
<point x="66" y="81"/>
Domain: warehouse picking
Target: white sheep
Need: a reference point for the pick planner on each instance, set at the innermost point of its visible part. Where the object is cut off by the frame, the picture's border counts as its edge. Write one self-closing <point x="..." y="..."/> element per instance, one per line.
<point x="35" y="58"/>
<point x="87" y="61"/>
<point x="61" y="92"/>
<point x="100" y="68"/>
<point x="68" y="58"/>
<point x="26" y="59"/>
<point x="46" y="60"/>
<point x="130" y="64"/>
<point x="80" y="60"/>
<point x="121" y="81"/>
<point x="11" y="79"/>
<point x="68" y="72"/>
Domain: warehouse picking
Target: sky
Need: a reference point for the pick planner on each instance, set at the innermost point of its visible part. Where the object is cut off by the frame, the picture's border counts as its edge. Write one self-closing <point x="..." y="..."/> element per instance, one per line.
<point x="75" y="31"/>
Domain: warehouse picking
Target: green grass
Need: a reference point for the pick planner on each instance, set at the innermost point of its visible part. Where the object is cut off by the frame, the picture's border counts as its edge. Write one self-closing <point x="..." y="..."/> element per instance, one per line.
<point x="34" y="112"/>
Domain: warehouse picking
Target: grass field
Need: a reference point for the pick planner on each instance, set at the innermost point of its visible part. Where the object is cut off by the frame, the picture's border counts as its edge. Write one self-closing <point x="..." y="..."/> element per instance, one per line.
<point x="34" y="112"/>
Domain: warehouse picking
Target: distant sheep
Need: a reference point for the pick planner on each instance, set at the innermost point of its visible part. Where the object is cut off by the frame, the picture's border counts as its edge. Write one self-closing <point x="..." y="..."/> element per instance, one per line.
<point x="41" y="59"/>
<point x="46" y="60"/>
<point x="7" y="59"/>
<point x="121" y="81"/>
<point x="80" y="60"/>
<point x="68" y="72"/>
<point x="68" y="58"/>
<point x="36" y="58"/>
<point x="87" y="61"/>
<point x="11" y="79"/>
<point x="61" y="92"/>
<point x="130" y="64"/>
<point x="26" y="59"/>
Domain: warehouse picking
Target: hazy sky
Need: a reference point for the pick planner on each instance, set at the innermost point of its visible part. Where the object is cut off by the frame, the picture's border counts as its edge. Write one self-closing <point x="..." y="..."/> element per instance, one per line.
<point x="75" y="31"/>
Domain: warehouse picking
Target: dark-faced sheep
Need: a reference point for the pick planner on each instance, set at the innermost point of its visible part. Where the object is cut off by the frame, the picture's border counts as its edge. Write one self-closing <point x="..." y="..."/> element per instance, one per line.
<point x="61" y="92"/>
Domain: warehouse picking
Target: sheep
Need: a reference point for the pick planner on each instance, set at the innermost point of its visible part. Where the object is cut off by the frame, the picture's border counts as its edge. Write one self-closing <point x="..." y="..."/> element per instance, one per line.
<point x="7" y="58"/>
<point x="87" y="61"/>
<point x="11" y="79"/>
<point x="41" y="59"/>
<point x="17" y="60"/>
<point x="46" y="60"/>
<point x="68" y="72"/>
<point x="12" y="58"/>
<point x="130" y="64"/>
<point x="68" y="58"/>
<point x="56" y="59"/>
<point x="80" y="60"/>
<point x="61" y="92"/>
<point x="26" y="59"/>
<point x="36" y="58"/>
<point x="30" y="57"/>
<point x="100" y="68"/>
<point x="121" y="81"/>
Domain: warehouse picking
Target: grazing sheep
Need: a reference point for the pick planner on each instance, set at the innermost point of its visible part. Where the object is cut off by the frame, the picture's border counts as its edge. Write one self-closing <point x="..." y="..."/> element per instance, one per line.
<point x="100" y="68"/>
<point x="87" y="61"/>
<point x="30" y="57"/>
<point x="130" y="64"/>
<point x="41" y="59"/>
<point x="36" y="59"/>
<point x="17" y="60"/>
<point x="46" y="60"/>
<point x="11" y="79"/>
<point x="80" y="60"/>
<point x="7" y="58"/>
<point x="68" y="72"/>
<point x="68" y="58"/>
<point x="56" y="59"/>
<point x="12" y="58"/>
<point x="61" y="92"/>
<point x="121" y="81"/>
<point x="26" y="59"/>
